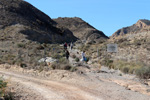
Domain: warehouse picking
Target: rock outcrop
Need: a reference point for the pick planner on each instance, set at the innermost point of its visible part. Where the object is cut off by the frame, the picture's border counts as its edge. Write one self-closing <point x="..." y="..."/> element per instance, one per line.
<point x="141" y="26"/>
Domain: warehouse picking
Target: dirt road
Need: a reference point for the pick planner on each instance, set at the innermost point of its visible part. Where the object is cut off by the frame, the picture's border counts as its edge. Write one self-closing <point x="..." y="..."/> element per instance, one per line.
<point x="49" y="90"/>
<point x="87" y="84"/>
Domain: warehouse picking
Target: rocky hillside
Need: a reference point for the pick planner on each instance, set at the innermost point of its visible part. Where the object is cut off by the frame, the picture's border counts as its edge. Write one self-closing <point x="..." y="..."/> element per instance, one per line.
<point x="81" y="29"/>
<point x="133" y="54"/>
<point x="36" y="25"/>
<point x="27" y="33"/>
<point x="133" y="43"/>
<point x="141" y="26"/>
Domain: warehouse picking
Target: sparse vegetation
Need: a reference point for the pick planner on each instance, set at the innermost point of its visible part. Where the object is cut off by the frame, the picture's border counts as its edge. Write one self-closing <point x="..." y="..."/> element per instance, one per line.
<point x="84" y="47"/>
<point x="77" y="59"/>
<point x="23" y="65"/>
<point x="129" y="67"/>
<point x="73" y="69"/>
<point x="108" y="62"/>
<point x="3" y="86"/>
<point x="21" y="45"/>
<point x="143" y="72"/>
<point x="62" y="66"/>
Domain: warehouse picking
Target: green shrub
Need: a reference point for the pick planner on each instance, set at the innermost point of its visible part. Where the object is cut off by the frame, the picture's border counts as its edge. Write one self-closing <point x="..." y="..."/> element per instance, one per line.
<point x="77" y="59"/>
<point x="9" y="96"/>
<point x="107" y="62"/>
<point x="143" y="72"/>
<point x="54" y="66"/>
<point x="84" y="47"/>
<point x="125" y="69"/>
<point x="21" y="45"/>
<point x="41" y="68"/>
<point x="3" y="86"/>
<point x="56" y="56"/>
<point x="23" y="65"/>
<point x="65" y="66"/>
<point x="62" y="54"/>
<point x="63" y="60"/>
<point x="73" y="69"/>
<point x="62" y="67"/>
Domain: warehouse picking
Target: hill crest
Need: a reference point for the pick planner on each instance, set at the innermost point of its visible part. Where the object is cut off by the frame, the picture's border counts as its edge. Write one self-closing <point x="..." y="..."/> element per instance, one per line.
<point x="81" y="29"/>
<point x="140" y="26"/>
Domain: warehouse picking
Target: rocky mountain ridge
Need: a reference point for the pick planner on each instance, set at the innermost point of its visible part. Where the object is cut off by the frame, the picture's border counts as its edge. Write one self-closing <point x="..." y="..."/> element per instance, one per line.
<point x="81" y="29"/>
<point x="142" y="25"/>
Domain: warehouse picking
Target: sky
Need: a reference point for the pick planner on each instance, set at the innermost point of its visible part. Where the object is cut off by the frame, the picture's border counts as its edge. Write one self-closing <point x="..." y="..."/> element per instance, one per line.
<point x="105" y="15"/>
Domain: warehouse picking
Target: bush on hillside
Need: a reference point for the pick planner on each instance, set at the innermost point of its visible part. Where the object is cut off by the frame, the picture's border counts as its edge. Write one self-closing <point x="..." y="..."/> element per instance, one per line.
<point x="126" y="70"/>
<point x="3" y="86"/>
<point x="128" y="67"/>
<point x="21" y="45"/>
<point x="107" y="62"/>
<point x="77" y="59"/>
<point x="143" y="72"/>
<point x="66" y="66"/>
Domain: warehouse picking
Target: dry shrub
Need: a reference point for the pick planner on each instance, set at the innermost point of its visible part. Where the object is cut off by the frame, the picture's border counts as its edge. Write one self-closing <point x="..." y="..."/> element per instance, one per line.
<point x="63" y="67"/>
<point x="125" y="70"/>
<point x="127" y="67"/>
<point x="73" y="56"/>
<point x="108" y="62"/>
<point x="143" y="72"/>
<point x="77" y="59"/>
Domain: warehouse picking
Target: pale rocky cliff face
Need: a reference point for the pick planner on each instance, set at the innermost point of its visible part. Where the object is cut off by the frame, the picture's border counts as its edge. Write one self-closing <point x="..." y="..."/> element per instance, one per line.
<point x="143" y="23"/>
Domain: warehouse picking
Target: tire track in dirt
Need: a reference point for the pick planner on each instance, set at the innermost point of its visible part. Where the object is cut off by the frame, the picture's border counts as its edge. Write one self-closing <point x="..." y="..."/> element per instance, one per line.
<point x="52" y="90"/>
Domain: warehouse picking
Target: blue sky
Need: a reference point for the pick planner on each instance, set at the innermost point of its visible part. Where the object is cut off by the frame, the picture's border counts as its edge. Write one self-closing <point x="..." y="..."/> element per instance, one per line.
<point x="105" y="15"/>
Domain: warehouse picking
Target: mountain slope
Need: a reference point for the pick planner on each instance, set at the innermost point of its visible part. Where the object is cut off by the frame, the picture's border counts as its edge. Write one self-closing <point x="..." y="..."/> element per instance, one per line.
<point x="141" y="25"/>
<point x="37" y="25"/>
<point x="81" y="29"/>
<point x="133" y="45"/>
<point x="27" y="34"/>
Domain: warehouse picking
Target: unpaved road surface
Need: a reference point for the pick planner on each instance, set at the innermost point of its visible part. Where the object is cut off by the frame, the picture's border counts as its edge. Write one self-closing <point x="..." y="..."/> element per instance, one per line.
<point x="86" y="86"/>
<point x="50" y="90"/>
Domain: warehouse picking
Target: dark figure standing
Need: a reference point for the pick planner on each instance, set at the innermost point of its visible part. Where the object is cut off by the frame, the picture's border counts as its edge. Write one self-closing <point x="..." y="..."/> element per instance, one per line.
<point x="67" y="54"/>
<point x="69" y="45"/>
<point x="65" y="46"/>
